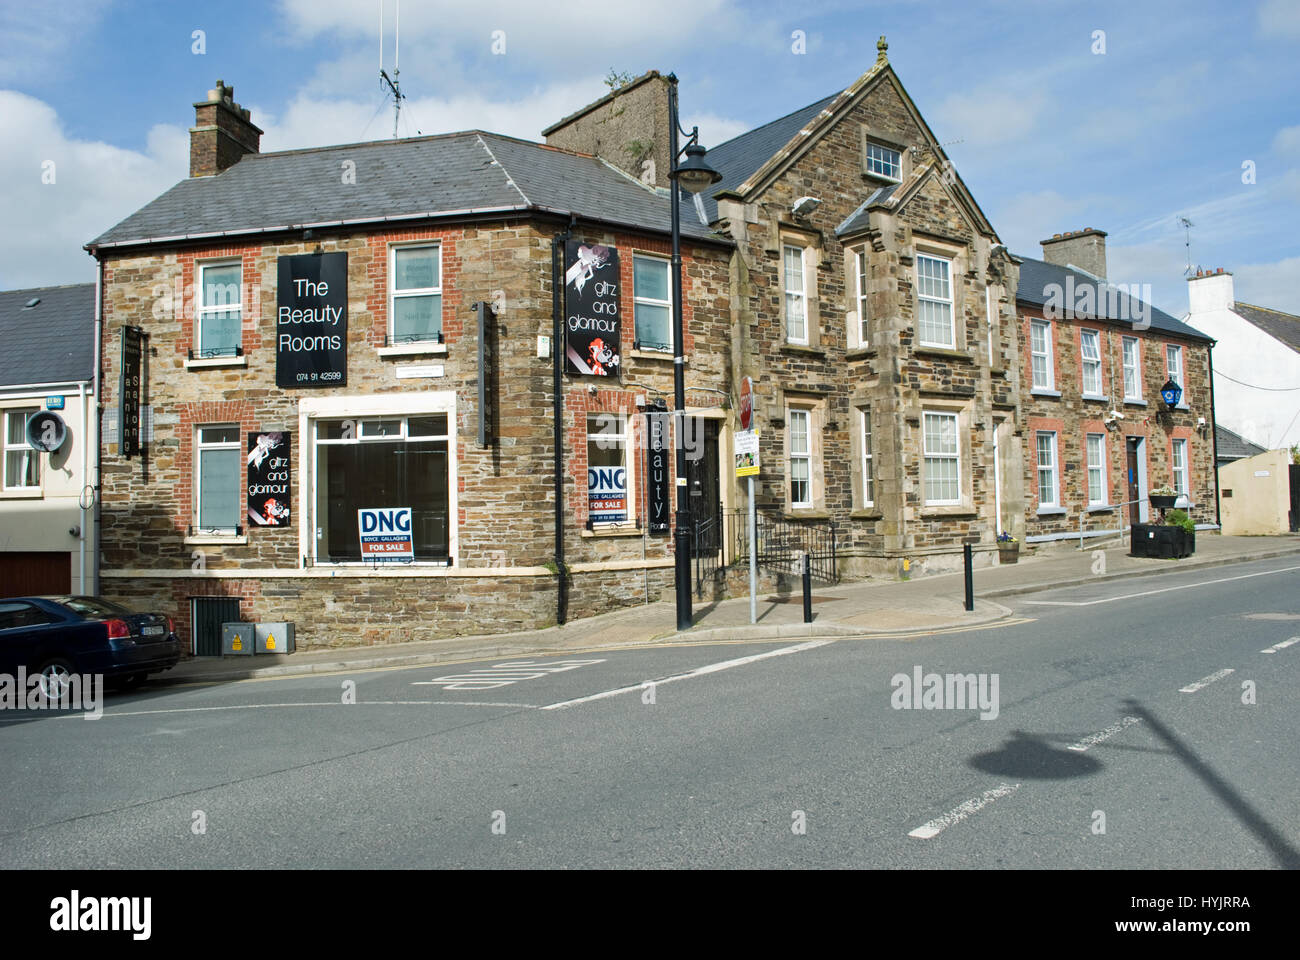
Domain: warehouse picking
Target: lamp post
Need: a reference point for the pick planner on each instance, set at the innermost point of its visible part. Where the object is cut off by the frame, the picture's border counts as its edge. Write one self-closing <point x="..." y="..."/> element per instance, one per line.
<point x="693" y="176"/>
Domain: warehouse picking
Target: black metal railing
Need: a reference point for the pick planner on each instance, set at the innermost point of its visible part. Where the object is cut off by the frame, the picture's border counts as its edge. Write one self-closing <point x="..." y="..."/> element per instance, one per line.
<point x="706" y="545"/>
<point x="781" y="542"/>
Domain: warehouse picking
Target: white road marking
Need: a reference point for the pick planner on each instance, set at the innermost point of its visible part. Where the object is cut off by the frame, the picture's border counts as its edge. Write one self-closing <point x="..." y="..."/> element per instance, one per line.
<point x="958" y="814"/>
<point x="1280" y="646"/>
<point x="333" y="703"/>
<point x="1206" y="681"/>
<point x="1148" y="593"/>
<point x="503" y="674"/>
<point x="698" y="672"/>
<point x="1103" y="735"/>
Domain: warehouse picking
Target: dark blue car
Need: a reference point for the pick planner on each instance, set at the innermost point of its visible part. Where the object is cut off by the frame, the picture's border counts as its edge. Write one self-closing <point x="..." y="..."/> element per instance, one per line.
<point x="59" y="636"/>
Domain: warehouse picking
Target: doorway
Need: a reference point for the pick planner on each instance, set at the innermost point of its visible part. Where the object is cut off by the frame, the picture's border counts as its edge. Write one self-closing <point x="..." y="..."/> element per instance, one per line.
<point x="1136" y="474"/>
<point x="704" y="488"/>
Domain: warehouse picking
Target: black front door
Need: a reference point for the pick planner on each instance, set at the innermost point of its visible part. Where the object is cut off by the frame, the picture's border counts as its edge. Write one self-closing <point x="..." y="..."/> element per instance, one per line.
<point x="704" y="485"/>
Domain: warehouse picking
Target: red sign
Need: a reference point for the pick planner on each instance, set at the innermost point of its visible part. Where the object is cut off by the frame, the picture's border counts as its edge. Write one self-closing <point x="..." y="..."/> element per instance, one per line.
<point x="746" y="403"/>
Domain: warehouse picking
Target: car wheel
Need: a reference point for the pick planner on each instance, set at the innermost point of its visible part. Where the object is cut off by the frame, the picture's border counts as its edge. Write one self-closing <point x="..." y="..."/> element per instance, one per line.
<point x="55" y="679"/>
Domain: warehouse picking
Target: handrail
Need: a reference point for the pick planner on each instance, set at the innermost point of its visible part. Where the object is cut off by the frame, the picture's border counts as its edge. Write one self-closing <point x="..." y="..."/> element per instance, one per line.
<point x="1108" y="506"/>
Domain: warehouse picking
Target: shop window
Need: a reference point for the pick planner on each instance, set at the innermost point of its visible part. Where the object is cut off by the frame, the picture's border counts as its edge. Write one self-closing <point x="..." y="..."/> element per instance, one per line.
<point x="379" y="463"/>
<point x="610" y="486"/>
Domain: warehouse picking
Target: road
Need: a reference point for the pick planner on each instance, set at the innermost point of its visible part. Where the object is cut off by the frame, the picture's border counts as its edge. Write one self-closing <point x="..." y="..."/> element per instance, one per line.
<point x="1124" y="737"/>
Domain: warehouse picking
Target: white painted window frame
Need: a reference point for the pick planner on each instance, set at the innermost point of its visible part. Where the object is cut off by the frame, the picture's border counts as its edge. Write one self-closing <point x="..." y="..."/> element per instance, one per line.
<point x="1052" y="469"/>
<point x="1135" y="367"/>
<point x="951" y="343"/>
<point x="928" y="455"/>
<point x="29" y="455"/>
<point x="394" y="294"/>
<point x="1099" y="468"/>
<point x="637" y="300"/>
<point x="806" y="413"/>
<point x="800" y="295"/>
<point x="1045" y="354"/>
<point x="200" y="447"/>
<point x="201" y="308"/>
<point x="1090" y="363"/>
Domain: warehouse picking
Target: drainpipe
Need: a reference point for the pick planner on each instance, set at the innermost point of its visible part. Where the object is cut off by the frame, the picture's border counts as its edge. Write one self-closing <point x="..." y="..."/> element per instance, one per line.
<point x="557" y="382"/>
<point x="1214" y="438"/>
<point x="95" y="551"/>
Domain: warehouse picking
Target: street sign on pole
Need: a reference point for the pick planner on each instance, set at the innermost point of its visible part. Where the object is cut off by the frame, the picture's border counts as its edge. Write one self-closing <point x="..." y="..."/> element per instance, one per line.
<point x="746" y="450"/>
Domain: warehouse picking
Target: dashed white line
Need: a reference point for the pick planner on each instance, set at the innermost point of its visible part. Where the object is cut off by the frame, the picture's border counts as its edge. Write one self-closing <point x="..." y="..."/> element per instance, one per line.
<point x="698" y="672"/>
<point x="958" y="814"/>
<point x="1206" y="681"/>
<point x="1103" y="735"/>
<point x="1280" y="646"/>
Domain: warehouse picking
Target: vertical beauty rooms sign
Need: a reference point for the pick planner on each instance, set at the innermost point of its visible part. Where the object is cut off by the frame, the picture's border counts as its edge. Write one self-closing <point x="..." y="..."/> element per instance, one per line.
<point x="311" y="320"/>
<point x="593" y="328"/>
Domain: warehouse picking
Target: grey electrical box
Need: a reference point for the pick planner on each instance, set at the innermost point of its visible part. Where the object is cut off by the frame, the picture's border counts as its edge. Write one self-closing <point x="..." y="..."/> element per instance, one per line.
<point x="237" y="639"/>
<point x="274" y="637"/>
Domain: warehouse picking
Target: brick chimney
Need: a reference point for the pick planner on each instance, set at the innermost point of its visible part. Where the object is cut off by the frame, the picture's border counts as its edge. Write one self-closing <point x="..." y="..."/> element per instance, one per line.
<point x="1210" y="291"/>
<point x="222" y="133"/>
<point x="628" y="127"/>
<point x="1085" y="249"/>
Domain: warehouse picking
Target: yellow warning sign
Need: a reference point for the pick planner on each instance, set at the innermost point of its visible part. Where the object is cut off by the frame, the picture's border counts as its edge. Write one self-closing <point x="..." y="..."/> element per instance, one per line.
<point x="237" y="644"/>
<point x="270" y="641"/>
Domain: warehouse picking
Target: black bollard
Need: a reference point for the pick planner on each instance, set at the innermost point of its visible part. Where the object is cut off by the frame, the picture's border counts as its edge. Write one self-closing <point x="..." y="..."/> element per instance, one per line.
<point x="970" y="580"/>
<point x="807" y="589"/>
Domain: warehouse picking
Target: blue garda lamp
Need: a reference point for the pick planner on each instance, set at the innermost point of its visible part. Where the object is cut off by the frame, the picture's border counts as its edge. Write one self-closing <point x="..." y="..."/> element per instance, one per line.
<point x="1171" y="393"/>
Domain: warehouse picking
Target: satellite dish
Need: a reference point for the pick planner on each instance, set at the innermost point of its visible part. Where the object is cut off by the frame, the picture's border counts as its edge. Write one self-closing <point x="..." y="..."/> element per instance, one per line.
<point x="46" y="431"/>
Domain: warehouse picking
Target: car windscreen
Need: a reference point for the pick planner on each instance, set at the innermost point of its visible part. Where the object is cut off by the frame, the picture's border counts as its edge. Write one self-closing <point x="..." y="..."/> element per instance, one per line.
<point x="92" y="607"/>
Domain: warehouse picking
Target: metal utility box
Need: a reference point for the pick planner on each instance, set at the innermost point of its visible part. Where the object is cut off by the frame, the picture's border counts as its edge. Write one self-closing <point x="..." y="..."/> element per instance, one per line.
<point x="237" y="639"/>
<point x="274" y="637"/>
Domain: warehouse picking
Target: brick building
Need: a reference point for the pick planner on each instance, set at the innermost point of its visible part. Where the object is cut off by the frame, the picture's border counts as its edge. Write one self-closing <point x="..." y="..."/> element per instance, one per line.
<point x="412" y="235"/>
<point x="1097" y="434"/>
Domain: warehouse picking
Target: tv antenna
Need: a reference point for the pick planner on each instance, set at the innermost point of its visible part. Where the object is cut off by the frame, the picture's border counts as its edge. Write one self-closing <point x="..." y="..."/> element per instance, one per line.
<point x="393" y="83"/>
<point x="1187" y="228"/>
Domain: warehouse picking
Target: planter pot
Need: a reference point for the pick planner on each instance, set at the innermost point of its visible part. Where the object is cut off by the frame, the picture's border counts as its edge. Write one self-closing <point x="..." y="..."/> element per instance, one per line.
<point x="1162" y="542"/>
<point x="1163" y="503"/>
<point x="1008" y="552"/>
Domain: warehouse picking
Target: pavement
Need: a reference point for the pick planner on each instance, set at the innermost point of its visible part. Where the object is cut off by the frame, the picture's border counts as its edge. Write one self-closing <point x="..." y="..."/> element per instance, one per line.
<point x="859" y="609"/>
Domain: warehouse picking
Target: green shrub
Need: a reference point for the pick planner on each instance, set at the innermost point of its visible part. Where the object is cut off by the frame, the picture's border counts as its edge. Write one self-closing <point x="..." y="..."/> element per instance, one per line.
<point x="1179" y="518"/>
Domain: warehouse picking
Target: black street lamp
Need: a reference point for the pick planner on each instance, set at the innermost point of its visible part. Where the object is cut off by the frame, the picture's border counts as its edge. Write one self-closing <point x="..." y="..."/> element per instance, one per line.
<point x="692" y="176"/>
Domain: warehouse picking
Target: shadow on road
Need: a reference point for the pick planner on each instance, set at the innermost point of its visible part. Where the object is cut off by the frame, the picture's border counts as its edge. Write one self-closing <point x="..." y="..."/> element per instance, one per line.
<point x="1283" y="852"/>
<point x="1029" y="757"/>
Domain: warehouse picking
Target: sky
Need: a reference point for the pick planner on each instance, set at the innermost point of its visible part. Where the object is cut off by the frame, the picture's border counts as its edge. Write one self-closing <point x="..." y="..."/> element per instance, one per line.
<point x="1058" y="114"/>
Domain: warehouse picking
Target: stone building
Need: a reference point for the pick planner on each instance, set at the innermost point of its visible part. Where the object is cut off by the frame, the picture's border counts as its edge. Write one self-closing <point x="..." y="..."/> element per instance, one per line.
<point x="1098" y="436"/>
<point x="841" y="263"/>
<point x="312" y="349"/>
<point x="872" y="304"/>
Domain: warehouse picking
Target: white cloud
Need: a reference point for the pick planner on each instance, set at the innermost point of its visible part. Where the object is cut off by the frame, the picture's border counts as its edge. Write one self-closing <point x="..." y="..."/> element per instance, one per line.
<point x="1287" y="142"/>
<point x="95" y="185"/>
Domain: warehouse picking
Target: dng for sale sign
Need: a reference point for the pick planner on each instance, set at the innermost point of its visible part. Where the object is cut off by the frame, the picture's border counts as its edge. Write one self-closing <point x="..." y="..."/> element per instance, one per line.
<point x="386" y="534"/>
<point x="607" y="494"/>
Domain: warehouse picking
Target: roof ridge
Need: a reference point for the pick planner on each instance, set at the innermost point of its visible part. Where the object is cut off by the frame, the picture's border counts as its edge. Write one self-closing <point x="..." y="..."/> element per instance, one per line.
<point x="509" y="179"/>
<point x="1254" y="306"/>
<point x="260" y="155"/>
<point x="52" y="286"/>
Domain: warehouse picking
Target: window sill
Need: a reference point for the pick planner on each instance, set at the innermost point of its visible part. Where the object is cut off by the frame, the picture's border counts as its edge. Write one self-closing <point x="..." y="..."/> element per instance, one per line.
<point x="868" y="513"/>
<point x="1051" y="511"/>
<point x="860" y="353"/>
<point x="948" y="511"/>
<point x="661" y="356"/>
<point x="202" y="362"/>
<point x="217" y="540"/>
<point x="1096" y="398"/>
<point x="619" y="531"/>
<point x="412" y="349"/>
<point x="1044" y="392"/>
<point x="1134" y="403"/>
<point x="805" y="513"/>
<point x="802" y="349"/>
<point x="19" y="493"/>
<point x="948" y="353"/>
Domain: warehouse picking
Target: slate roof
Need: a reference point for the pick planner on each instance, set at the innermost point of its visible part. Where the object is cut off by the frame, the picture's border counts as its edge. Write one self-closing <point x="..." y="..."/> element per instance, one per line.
<point x="1037" y="277"/>
<point x="52" y="342"/>
<point x="451" y="174"/>
<point x="861" y="217"/>
<point x="1231" y="446"/>
<point x="1279" y="325"/>
<point x="741" y="156"/>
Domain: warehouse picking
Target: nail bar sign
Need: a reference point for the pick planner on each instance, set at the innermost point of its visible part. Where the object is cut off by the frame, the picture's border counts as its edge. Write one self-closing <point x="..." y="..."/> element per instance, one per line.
<point x="311" y="321"/>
